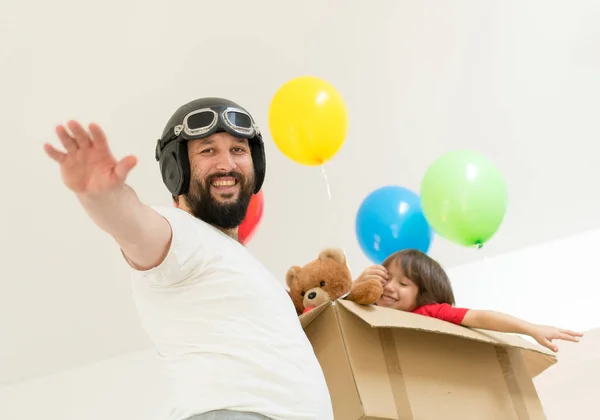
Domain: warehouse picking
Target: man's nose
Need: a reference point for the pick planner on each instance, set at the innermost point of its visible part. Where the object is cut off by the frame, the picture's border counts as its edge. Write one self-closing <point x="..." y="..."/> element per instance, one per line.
<point x="226" y="162"/>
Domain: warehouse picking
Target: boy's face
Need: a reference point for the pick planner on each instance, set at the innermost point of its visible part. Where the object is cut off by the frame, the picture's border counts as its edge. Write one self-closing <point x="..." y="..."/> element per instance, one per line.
<point x="399" y="291"/>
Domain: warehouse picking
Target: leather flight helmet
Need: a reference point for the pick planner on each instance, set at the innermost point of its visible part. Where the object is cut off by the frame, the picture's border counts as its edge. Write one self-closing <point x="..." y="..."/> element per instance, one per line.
<point x="198" y="119"/>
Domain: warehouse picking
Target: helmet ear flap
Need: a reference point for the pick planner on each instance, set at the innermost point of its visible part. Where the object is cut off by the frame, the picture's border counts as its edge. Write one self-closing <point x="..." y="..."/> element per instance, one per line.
<point x="259" y="160"/>
<point x="175" y="167"/>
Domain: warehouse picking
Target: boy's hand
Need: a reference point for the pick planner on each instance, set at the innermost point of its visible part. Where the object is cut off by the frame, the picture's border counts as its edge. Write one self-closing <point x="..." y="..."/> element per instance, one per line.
<point x="544" y="335"/>
<point x="377" y="272"/>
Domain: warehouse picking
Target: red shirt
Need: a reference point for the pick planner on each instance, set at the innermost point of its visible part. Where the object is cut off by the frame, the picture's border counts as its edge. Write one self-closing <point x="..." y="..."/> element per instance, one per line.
<point x="443" y="311"/>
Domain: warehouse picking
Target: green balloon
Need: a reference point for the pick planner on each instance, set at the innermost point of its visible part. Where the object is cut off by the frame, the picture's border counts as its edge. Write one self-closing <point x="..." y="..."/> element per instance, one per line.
<point x="464" y="197"/>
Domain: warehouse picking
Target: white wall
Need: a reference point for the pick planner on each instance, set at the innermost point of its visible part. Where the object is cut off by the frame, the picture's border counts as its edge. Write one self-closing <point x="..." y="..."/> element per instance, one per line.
<point x="517" y="81"/>
<point x="555" y="283"/>
<point x="570" y="389"/>
<point x="127" y="387"/>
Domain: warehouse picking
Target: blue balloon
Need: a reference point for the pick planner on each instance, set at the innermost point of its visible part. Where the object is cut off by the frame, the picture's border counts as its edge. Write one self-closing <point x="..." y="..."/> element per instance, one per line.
<point x="390" y="219"/>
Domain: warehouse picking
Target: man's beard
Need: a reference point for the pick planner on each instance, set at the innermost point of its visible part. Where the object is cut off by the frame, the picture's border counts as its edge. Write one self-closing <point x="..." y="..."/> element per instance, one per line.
<point x="204" y="206"/>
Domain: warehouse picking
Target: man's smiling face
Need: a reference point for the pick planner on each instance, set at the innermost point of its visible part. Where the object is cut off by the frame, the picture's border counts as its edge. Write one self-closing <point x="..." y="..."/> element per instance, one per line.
<point x="222" y="179"/>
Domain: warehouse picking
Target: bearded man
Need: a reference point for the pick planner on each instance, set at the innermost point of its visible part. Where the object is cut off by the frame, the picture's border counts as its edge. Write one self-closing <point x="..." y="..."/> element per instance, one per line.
<point x="225" y="328"/>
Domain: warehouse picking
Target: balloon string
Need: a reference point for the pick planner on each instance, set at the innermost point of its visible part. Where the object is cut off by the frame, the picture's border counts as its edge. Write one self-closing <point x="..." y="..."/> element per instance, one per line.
<point x="335" y="217"/>
<point x="327" y="183"/>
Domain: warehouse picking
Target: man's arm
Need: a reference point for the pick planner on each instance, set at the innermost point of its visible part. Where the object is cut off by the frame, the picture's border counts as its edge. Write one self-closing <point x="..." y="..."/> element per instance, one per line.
<point x="89" y="169"/>
<point x="143" y="234"/>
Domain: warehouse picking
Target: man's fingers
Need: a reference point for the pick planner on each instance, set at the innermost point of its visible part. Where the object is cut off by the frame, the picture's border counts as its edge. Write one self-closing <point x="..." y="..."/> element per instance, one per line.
<point x="124" y="166"/>
<point x="65" y="138"/>
<point x="98" y="136"/>
<point x="82" y="138"/>
<point x="54" y="154"/>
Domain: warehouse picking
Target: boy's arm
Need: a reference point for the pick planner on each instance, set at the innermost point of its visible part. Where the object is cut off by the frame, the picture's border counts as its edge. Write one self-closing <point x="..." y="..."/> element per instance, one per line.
<point x="496" y="321"/>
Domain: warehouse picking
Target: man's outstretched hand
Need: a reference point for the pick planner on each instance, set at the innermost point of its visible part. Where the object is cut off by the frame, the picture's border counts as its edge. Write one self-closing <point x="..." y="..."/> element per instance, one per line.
<point x="88" y="166"/>
<point x="89" y="169"/>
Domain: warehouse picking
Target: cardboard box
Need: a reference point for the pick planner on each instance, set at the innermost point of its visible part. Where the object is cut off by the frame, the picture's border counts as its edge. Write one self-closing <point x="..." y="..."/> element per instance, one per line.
<point x="384" y="364"/>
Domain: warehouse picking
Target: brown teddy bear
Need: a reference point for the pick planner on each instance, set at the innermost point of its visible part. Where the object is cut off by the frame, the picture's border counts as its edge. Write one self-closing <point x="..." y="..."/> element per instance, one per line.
<point x="328" y="278"/>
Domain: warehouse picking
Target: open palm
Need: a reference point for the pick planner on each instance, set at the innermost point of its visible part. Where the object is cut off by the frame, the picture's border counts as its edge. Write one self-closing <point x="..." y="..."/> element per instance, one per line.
<point x="88" y="166"/>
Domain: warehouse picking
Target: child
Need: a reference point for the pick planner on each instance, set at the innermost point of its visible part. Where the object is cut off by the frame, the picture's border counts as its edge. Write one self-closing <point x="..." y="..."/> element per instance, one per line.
<point x="414" y="282"/>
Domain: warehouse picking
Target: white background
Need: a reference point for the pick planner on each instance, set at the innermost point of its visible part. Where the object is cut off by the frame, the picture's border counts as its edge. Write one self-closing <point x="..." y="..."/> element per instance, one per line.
<point x="517" y="81"/>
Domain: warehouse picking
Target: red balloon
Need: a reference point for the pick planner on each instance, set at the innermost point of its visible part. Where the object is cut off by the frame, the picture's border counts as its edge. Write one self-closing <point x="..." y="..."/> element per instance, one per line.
<point x="252" y="219"/>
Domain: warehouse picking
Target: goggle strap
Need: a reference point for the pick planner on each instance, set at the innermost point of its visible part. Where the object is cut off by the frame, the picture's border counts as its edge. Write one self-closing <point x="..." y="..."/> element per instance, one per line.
<point x="166" y="139"/>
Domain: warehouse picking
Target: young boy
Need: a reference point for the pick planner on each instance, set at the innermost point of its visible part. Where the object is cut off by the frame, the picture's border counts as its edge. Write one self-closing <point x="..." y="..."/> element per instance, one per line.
<point x="414" y="282"/>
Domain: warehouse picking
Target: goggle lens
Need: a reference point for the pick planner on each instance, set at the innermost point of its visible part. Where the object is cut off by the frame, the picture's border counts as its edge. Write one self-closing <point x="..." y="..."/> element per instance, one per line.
<point x="201" y="120"/>
<point x="238" y="119"/>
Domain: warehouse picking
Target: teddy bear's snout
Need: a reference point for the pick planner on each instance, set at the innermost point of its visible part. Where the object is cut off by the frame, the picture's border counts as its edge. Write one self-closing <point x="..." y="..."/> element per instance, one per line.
<point x="315" y="297"/>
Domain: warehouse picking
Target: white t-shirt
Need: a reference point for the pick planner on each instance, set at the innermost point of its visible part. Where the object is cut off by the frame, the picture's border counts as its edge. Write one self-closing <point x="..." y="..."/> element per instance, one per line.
<point x="226" y="329"/>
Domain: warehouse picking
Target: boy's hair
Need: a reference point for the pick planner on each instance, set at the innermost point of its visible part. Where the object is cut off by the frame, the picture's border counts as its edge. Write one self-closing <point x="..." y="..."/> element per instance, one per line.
<point x="426" y="273"/>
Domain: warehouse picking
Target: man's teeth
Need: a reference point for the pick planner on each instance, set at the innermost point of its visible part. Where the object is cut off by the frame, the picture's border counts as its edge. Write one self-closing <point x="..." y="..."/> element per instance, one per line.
<point x="223" y="183"/>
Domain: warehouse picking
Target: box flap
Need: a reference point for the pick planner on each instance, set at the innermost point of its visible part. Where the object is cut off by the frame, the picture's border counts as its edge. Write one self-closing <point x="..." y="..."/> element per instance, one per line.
<point x="537" y="358"/>
<point x="310" y="316"/>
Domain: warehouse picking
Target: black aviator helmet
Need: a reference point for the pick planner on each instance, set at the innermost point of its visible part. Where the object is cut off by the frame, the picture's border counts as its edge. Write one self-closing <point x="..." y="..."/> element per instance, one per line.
<point x="199" y="119"/>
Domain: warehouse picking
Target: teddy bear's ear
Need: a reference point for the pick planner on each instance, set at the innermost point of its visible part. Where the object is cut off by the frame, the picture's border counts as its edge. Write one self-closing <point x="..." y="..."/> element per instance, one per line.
<point x="335" y="254"/>
<point x="291" y="275"/>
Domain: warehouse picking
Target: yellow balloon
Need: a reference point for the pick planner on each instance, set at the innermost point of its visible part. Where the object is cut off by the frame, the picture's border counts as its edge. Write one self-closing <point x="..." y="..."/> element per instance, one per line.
<point x="308" y="120"/>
